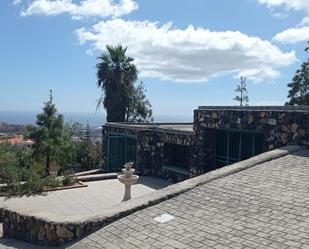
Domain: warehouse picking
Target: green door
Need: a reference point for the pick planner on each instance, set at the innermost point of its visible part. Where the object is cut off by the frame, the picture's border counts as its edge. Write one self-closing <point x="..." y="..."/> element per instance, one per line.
<point x="121" y="149"/>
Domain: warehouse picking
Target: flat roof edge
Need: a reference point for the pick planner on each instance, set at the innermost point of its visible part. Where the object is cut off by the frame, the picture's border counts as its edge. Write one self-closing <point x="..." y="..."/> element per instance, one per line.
<point x="256" y="108"/>
<point x="150" y="127"/>
<point x="151" y="124"/>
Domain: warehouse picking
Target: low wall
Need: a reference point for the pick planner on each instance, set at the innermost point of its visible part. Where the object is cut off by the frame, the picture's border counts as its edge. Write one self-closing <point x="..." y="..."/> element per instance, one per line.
<point x="40" y="231"/>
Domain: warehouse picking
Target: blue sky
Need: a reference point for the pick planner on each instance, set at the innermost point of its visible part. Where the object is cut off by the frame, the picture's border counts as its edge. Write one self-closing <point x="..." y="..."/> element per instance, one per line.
<point x="54" y="44"/>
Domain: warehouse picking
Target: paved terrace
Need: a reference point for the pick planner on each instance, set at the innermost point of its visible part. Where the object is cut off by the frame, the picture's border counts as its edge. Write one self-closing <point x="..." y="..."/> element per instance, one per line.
<point x="266" y="206"/>
<point x="80" y="203"/>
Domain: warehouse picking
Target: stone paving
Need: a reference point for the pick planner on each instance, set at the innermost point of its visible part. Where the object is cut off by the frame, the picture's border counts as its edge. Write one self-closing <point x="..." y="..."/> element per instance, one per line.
<point x="77" y="203"/>
<point x="266" y="206"/>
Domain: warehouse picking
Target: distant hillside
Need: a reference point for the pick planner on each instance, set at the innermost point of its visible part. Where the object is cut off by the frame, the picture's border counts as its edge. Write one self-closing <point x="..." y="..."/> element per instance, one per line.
<point x="12" y="128"/>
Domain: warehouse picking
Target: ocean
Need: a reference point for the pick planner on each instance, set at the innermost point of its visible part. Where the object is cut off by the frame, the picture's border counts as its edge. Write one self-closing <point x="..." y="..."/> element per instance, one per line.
<point x="22" y="118"/>
<point x="94" y="119"/>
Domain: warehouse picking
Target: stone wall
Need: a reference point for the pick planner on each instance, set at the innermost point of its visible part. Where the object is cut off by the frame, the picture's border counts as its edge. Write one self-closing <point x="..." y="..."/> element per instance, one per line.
<point x="43" y="232"/>
<point x="150" y="145"/>
<point x="279" y="126"/>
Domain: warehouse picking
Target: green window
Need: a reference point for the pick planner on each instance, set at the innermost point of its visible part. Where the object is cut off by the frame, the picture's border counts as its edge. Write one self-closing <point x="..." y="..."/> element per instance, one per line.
<point x="234" y="146"/>
<point x="121" y="148"/>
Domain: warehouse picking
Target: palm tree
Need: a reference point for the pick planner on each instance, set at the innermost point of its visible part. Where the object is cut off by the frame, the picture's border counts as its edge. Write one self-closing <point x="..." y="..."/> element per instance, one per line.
<point x="116" y="75"/>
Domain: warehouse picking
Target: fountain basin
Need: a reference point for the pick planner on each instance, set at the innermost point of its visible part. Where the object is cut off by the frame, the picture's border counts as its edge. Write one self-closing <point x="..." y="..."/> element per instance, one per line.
<point x="128" y="181"/>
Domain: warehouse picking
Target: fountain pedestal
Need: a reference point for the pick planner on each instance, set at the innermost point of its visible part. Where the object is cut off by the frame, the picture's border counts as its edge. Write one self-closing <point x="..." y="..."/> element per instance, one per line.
<point x="128" y="179"/>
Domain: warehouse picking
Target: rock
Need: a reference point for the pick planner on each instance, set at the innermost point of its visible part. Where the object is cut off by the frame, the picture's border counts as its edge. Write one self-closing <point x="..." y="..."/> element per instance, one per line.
<point x="214" y="115"/>
<point x="251" y="119"/>
<point x="301" y="133"/>
<point x="294" y="128"/>
<point x="203" y="124"/>
<point x="41" y="233"/>
<point x="64" y="233"/>
<point x="272" y="121"/>
<point x="285" y="128"/>
<point x="284" y="138"/>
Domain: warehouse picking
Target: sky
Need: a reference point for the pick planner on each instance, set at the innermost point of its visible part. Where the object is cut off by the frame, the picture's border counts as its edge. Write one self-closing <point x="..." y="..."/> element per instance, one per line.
<point x="188" y="52"/>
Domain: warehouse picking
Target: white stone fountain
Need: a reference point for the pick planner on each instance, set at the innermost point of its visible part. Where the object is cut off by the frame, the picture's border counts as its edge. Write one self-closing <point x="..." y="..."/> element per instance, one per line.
<point x="128" y="179"/>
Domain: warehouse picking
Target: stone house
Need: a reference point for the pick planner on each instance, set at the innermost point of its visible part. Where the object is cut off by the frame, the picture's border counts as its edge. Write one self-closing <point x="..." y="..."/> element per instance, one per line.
<point x="217" y="137"/>
<point x="162" y="149"/>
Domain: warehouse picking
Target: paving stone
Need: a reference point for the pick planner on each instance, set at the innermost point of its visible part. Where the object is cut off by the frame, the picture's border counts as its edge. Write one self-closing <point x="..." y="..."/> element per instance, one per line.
<point x="254" y="208"/>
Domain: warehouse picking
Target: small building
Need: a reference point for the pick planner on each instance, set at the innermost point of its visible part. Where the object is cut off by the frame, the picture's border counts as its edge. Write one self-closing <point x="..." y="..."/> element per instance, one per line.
<point x="18" y="141"/>
<point x="162" y="149"/>
<point x="218" y="136"/>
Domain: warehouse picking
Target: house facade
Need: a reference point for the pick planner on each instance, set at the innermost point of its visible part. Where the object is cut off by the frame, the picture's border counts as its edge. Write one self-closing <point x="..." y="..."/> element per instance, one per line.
<point x="217" y="137"/>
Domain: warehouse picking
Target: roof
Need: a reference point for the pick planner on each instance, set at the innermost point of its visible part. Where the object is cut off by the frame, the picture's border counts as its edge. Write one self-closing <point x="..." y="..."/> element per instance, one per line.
<point x="17" y="140"/>
<point x="160" y="127"/>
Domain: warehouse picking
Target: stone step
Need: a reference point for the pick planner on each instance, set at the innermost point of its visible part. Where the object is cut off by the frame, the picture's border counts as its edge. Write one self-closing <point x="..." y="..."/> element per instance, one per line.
<point x="97" y="177"/>
<point x="89" y="172"/>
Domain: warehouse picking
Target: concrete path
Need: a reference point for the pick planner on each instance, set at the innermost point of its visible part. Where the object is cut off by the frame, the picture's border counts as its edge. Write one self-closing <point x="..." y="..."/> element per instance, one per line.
<point x="266" y="206"/>
<point x="81" y="202"/>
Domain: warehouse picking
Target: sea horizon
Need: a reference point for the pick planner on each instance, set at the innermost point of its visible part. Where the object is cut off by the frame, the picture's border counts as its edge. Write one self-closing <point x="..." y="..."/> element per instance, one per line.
<point x="94" y="119"/>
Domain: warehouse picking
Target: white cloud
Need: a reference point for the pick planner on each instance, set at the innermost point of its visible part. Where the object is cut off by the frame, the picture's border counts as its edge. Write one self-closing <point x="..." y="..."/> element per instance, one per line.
<point x="191" y="54"/>
<point x="297" y="34"/>
<point x="85" y="8"/>
<point x="288" y="4"/>
<point x="293" y="35"/>
<point x="305" y="21"/>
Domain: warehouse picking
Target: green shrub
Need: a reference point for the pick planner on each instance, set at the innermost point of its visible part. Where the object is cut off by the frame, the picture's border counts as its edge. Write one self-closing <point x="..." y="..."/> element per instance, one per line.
<point x="52" y="182"/>
<point x="34" y="183"/>
<point x="21" y="175"/>
<point x="68" y="178"/>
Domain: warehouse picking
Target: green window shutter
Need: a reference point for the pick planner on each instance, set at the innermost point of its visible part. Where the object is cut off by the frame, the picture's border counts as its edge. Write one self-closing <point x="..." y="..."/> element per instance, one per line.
<point x="121" y="148"/>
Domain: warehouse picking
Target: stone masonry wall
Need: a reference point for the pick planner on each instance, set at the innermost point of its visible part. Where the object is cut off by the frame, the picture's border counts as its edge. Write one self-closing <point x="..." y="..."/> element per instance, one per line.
<point x="278" y="125"/>
<point x="44" y="232"/>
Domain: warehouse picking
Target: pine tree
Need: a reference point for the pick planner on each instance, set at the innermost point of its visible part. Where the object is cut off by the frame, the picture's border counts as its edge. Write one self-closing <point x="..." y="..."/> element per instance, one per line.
<point x="299" y="87"/>
<point x="49" y="136"/>
<point x="243" y="98"/>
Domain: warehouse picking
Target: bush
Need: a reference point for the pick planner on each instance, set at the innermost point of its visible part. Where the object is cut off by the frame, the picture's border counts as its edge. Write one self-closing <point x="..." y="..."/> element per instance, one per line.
<point x="52" y="182"/>
<point x="68" y="178"/>
<point x="20" y="175"/>
<point x="34" y="183"/>
<point x="89" y="154"/>
<point x="8" y="171"/>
